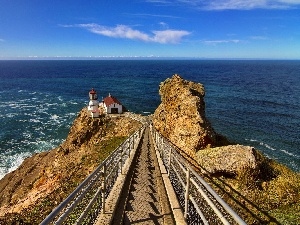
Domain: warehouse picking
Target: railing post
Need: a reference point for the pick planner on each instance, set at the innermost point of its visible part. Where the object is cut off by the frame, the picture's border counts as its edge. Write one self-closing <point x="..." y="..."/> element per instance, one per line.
<point x="187" y="187"/>
<point x="169" y="163"/>
<point x="162" y="151"/>
<point x="128" y="148"/>
<point x="120" y="160"/>
<point x="133" y="142"/>
<point x="103" y="188"/>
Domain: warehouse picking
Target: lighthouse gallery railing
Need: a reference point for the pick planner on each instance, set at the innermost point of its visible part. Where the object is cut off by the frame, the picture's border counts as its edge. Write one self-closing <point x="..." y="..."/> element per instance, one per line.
<point x="84" y="204"/>
<point x="201" y="204"/>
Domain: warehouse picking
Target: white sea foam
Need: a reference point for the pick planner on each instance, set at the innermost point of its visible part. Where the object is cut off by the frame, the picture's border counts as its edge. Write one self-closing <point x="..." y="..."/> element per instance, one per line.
<point x="54" y="117"/>
<point x="267" y="146"/>
<point x="274" y="149"/>
<point x="289" y="153"/>
<point x="34" y="120"/>
<point x="51" y="104"/>
<point x="10" y="115"/>
<point x="252" y="140"/>
<point x="27" y="134"/>
<point x="12" y="162"/>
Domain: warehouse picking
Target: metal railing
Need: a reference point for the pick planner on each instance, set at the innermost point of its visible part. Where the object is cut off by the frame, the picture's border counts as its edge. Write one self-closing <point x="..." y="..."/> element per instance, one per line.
<point x="85" y="203"/>
<point x="201" y="204"/>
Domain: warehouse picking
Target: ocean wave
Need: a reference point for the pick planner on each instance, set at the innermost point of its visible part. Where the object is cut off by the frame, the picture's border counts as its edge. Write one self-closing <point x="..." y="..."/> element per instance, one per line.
<point x="11" y="115"/>
<point x="289" y="153"/>
<point x="71" y="114"/>
<point x="273" y="149"/>
<point x="267" y="146"/>
<point x="34" y="120"/>
<point x="11" y="162"/>
<point x="12" y="158"/>
<point x="51" y="104"/>
<point x="27" y="134"/>
<point x="54" y="117"/>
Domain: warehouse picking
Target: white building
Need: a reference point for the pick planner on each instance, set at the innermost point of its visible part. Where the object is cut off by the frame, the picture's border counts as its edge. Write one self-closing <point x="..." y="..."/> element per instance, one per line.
<point x="111" y="105"/>
<point x="93" y="107"/>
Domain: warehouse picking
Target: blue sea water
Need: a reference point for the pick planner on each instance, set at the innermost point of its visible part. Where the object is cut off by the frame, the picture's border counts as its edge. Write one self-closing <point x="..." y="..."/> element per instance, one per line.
<point x="251" y="102"/>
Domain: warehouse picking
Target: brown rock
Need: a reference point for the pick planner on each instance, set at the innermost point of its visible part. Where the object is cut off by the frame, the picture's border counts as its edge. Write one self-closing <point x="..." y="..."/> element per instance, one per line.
<point x="181" y="118"/>
<point x="228" y="160"/>
<point x="181" y="115"/>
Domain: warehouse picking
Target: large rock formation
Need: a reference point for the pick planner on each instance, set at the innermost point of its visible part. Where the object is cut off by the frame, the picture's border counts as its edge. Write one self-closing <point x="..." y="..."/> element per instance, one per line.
<point x="181" y="118"/>
<point x="181" y="115"/>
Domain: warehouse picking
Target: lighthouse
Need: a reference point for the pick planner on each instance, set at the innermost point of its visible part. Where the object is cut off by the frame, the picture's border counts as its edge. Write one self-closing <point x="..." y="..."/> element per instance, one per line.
<point x="93" y="107"/>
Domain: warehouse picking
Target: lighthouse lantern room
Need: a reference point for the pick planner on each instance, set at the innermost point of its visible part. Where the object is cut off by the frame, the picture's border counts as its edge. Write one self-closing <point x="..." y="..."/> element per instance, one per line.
<point x="93" y="107"/>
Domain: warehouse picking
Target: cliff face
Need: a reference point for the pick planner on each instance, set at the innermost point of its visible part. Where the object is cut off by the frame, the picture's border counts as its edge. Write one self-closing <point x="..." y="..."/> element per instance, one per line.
<point x="58" y="169"/>
<point x="181" y="115"/>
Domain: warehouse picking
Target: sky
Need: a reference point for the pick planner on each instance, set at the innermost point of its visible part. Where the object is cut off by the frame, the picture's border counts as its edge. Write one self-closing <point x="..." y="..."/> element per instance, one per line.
<point x="259" y="29"/>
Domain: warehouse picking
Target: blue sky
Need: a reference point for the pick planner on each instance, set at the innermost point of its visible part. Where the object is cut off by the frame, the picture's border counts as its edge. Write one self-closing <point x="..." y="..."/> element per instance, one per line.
<point x="150" y="28"/>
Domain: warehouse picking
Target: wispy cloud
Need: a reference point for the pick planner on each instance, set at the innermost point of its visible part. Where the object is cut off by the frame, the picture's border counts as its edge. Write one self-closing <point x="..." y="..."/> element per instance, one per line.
<point x="164" y="25"/>
<point x="258" y="37"/>
<point x="216" y="42"/>
<point x="167" y="36"/>
<point x="1" y="40"/>
<point x="152" y="15"/>
<point x="215" y="5"/>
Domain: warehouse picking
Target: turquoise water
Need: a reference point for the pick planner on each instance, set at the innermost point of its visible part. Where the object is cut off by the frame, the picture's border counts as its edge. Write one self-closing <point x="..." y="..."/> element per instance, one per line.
<point x="252" y="102"/>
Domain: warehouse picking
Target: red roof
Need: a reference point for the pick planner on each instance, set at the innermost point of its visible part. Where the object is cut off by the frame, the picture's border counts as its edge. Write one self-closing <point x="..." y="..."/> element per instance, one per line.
<point x="92" y="91"/>
<point x="111" y="100"/>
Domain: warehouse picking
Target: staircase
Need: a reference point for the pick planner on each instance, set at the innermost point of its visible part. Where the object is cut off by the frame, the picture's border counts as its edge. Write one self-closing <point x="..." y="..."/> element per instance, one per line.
<point x="144" y="181"/>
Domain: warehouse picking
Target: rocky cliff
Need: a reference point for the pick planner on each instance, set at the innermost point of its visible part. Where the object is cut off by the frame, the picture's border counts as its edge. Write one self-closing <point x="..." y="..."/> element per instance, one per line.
<point x="248" y="181"/>
<point x="29" y="193"/>
<point x="181" y="115"/>
<point x="181" y="118"/>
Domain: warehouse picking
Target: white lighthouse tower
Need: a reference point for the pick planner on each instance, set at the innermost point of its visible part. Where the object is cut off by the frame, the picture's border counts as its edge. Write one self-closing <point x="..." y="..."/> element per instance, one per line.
<point x="93" y="107"/>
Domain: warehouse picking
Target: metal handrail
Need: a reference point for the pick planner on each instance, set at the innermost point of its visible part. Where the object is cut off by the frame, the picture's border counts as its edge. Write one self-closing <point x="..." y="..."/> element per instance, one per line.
<point x="83" y="205"/>
<point x="201" y="204"/>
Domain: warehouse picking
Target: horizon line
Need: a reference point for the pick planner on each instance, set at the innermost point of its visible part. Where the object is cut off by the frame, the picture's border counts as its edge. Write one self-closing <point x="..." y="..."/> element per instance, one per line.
<point x="32" y="58"/>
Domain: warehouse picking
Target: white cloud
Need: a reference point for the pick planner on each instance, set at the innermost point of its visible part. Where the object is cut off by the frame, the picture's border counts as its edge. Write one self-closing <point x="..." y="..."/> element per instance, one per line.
<point x="1" y="40"/>
<point x="258" y="37"/>
<point x="234" y="4"/>
<point x="164" y="25"/>
<point x="216" y="42"/>
<point x="169" y="36"/>
<point x="122" y="31"/>
<point x="295" y="2"/>
<point x="152" y="15"/>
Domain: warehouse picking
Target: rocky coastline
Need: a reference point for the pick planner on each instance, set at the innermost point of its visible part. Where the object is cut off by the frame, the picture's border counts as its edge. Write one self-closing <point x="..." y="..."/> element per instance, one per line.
<point x="43" y="180"/>
<point x="261" y="190"/>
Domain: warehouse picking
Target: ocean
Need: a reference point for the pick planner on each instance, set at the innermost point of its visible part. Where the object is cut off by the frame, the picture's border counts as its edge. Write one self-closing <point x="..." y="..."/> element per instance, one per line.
<point x="252" y="102"/>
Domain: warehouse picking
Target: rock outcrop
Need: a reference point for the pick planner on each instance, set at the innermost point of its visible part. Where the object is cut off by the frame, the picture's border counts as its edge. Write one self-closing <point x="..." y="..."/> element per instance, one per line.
<point x="228" y="160"/>
<point x="181" y="115"/>
<point x="181" y="118"/>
